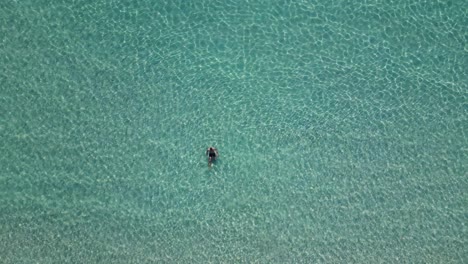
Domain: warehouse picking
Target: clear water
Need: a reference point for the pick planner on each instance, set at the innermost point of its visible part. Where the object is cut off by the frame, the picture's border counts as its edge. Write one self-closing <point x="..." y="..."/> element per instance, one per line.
<point x="341" y="127"/>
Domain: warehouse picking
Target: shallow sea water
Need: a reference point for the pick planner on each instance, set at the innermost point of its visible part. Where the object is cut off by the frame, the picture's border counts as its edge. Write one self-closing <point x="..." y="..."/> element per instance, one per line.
<point x="341" y="128"/>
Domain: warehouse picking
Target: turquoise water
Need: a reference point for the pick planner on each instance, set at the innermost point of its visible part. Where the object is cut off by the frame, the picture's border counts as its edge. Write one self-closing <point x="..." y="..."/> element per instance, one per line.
<point x="341" y="128"/>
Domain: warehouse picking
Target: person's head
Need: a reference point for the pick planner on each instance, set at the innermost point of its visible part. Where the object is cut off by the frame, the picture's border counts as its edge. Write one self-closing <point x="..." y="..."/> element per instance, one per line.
<point x="211" y="148"/>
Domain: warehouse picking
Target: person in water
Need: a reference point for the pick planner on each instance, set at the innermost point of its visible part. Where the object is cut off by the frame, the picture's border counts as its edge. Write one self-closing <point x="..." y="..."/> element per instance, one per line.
<point x="212" y="154"/>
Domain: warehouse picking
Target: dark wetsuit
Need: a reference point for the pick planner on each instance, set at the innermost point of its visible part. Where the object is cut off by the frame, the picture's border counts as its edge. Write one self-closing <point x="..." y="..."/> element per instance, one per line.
<point x="212" y="154"/>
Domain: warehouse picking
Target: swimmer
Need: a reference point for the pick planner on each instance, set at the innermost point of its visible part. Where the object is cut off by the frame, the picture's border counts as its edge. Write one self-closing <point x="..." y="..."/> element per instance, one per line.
<point x="212" y="154"/>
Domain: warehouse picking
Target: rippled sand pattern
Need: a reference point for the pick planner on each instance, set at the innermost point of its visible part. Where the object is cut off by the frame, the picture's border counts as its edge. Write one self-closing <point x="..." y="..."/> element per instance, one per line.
<point x="341" y="128"/>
